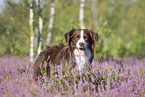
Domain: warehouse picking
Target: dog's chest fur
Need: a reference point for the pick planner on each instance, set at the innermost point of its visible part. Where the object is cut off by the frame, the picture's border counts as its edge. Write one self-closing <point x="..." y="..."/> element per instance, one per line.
<point x="81" y="61"/>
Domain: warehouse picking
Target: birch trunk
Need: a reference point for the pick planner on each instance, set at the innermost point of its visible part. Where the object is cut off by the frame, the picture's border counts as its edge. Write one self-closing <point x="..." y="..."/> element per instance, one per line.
<point x="81" y="17"/>
<point x="50" y="26"/>
<point x="40" y="27"/>
<point x="31" y="32"/>
<point x="95" y="12"/>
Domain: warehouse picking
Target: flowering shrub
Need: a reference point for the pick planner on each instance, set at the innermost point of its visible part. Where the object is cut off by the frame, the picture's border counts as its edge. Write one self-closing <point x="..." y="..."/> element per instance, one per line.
<point x="107" y="78"/>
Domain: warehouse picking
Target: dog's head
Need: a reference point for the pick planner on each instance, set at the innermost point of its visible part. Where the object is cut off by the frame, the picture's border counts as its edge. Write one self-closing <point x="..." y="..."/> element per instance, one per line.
<point x="81" y="39"/>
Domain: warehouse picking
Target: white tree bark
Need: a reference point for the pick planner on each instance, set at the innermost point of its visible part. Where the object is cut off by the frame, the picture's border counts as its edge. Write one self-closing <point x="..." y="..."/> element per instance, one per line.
<point x="31" y="32"/>
<point x="95" y="12"/>
<point x="50" y="26"/>
<point x="40" y="26"/>
<point x="81" y="17"/>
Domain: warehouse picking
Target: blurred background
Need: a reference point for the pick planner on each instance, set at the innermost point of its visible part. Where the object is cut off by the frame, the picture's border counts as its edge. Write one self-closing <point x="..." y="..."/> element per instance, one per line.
<point x="120" y="24"/>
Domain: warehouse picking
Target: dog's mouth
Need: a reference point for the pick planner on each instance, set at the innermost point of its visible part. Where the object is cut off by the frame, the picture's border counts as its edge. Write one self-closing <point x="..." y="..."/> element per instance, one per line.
<point x="81" y="51"/>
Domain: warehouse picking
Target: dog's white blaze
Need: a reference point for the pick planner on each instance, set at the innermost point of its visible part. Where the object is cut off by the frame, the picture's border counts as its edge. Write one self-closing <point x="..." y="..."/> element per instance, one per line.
<point x="81" y="40"/>
<point x="82" y="60"/>
<point x="82" y="33"/>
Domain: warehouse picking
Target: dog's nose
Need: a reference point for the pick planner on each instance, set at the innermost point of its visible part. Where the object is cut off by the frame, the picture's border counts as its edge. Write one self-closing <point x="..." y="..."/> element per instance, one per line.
<point x="81" y="44"/>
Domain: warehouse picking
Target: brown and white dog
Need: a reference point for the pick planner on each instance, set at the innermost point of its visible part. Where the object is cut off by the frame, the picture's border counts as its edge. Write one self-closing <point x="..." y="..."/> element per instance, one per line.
<point x="81" y="43"/>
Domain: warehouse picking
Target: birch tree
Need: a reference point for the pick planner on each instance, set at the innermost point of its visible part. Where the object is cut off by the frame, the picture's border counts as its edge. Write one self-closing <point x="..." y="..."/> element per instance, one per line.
<point x="31" y="31"/>
<point x="50" y="26"/>
<point x="40" y="26"/>
<point x="81" y="16"/>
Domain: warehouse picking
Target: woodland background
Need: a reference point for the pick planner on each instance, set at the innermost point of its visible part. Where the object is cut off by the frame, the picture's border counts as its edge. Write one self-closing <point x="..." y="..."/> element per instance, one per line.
<point x="120" y="24"/>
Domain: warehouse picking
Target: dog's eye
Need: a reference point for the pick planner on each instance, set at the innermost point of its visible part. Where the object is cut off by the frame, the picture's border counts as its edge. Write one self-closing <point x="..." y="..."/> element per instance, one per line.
<point x="85" y="37"/>
<point x="77" y="37"/>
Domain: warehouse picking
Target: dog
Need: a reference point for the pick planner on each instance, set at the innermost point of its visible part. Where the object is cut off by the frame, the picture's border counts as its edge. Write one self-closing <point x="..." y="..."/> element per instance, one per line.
<point x="81" y="43"/>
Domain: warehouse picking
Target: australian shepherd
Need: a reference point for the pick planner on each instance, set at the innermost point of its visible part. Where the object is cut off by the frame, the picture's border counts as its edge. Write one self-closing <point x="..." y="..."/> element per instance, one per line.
<point x="81" y="43"/>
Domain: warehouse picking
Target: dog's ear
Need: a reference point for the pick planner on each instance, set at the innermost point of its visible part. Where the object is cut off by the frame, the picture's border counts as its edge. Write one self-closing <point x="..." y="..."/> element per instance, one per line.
<point x="94" y="36"/>
<point x="68" y="36"/>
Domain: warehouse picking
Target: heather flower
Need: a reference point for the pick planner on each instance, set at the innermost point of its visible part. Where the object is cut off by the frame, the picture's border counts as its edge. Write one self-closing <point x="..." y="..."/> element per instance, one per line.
<point x="106" y="78"/>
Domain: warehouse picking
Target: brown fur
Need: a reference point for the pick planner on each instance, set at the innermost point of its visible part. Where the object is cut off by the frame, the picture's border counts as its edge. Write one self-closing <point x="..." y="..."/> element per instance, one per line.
<point x="53" y="54"/>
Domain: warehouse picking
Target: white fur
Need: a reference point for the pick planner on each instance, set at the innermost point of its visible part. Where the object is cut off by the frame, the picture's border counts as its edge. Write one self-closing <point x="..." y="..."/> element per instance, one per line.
<point x="82" y="60"/>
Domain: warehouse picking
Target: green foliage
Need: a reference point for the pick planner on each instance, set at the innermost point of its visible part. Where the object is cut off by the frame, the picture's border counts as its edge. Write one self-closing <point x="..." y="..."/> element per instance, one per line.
<point x="121" y="26"/>
<point x="15" y="34"/>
